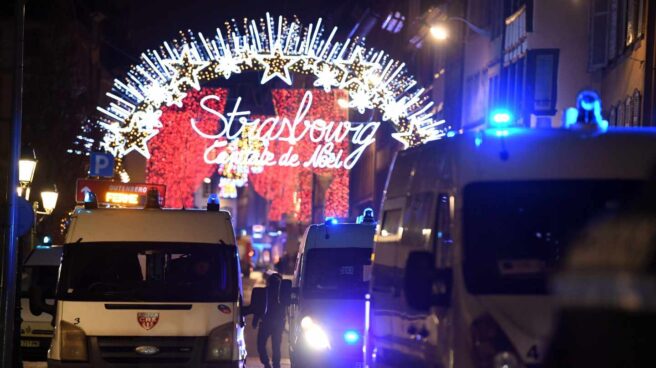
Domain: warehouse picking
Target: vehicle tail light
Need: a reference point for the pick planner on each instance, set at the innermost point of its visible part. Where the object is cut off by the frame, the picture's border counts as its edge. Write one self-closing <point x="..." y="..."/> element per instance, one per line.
<point x="220" y="343"/>
<point x="73" y="342"/>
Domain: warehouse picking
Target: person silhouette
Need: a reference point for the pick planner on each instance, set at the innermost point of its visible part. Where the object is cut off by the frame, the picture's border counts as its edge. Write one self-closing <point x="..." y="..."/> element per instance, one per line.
<point x="272" y="324"/>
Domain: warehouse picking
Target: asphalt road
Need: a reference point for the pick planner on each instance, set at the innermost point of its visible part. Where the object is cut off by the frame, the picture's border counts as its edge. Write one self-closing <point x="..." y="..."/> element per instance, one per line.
<point x="253" y="360"/>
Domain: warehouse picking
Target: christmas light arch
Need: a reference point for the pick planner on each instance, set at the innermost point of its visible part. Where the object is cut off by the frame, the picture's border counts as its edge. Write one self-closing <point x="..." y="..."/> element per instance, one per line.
<point x="278" y="47"/>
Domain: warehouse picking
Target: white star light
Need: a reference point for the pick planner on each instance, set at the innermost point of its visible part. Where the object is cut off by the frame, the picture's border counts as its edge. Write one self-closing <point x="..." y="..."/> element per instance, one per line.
<point x="276" y="64"/>
<point x="404" y="137"/>
<point x="361" y="100"/>
<point x="227" y="65"/>
<point x="326" y="78"/>
<point x="180" y="67"/>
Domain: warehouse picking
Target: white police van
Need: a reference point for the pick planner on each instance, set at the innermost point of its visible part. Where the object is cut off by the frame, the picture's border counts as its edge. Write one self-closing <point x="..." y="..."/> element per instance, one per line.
<point x="330" y="284"/>
<point x="471" y="227"/>
<point x="149" y="287"/>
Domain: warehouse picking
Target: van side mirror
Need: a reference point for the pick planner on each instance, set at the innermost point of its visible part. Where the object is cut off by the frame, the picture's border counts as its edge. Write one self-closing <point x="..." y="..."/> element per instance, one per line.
<point x="38" y="303"/>
<point x="258" y="303"/>
<point x="424" y="285"/>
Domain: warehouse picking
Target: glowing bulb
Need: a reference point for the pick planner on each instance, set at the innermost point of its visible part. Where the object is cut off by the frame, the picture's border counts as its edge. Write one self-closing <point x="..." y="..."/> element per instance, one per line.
<point x="439" y="32"/>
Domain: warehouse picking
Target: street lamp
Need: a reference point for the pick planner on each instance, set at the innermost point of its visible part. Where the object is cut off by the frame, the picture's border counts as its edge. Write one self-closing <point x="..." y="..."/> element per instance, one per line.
<point x="440" y="32"/>
<point x="49" y="199"/>
<point x="26" y="168"/>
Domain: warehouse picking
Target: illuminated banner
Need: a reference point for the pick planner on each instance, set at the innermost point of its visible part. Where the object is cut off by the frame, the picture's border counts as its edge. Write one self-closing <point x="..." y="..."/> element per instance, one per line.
<point x="324" y="134"/>
<point x="117" y="194"/>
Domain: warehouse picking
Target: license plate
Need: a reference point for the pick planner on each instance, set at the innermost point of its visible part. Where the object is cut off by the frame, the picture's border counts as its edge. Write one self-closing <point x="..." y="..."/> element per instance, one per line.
<point x="30" y="344"/>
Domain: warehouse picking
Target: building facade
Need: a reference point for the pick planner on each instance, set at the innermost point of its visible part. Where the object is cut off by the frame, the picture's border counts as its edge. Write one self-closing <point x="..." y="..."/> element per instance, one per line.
<point x="540" y="53"/>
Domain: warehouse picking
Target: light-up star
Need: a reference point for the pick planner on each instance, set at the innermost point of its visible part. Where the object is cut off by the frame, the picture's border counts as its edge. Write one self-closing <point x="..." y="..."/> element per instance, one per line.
<point x="394" y="110"/>
<point x="405" y="136"/>
<point x="361" y="100"/>
<point x="148" y="119"/>
<point x="358" y="68"/>
<point x="227" y="65"/>
<point x="326" y="78"/>
<point x="186" y="68"/>
<point x="136" y="139"/>
<point x="277" y="65"/>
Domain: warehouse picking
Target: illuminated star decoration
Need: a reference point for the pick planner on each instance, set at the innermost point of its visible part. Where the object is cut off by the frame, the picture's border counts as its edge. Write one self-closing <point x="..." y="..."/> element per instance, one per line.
<point x="186" y="69"/>
<point x="136" y="139"/>
<point x="275" y="46"/>
<point x="277" y="65"/>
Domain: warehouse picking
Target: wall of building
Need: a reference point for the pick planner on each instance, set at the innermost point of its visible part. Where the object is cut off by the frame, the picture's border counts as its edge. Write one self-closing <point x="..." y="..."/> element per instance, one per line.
<point x="624" y="76"/>
<point x="564" y="25"/>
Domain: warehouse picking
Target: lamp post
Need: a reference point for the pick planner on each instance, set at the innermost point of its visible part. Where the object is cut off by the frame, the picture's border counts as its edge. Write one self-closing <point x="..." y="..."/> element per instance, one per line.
<point x="49" y="202"/>
<point x="26" y="168"/>
<point x="440" y="30"/>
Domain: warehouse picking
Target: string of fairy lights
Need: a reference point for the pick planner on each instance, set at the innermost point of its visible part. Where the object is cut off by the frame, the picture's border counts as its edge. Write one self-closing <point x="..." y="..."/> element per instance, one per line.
<point x="278" y="47"/>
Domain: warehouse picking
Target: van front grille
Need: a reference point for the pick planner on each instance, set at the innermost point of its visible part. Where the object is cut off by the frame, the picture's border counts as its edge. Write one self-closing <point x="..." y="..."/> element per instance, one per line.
<point x="122" y="350"/>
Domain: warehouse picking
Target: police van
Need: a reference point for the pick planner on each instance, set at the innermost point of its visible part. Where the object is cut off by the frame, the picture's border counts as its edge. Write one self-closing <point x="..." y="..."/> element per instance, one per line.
<point x="149" y="287"/>
<point x="472" y="226"/>
<point x="330" y="285"/>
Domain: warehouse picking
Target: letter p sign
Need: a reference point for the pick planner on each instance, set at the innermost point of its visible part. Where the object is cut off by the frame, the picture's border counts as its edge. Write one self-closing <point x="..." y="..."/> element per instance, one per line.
<point x="101" y="165"/>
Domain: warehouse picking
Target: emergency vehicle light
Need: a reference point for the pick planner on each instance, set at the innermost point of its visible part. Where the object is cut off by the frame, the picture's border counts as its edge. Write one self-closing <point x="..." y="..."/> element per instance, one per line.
<point x="90" y="201"/>
<point x="501" y="117"/>
<point x="213" y="202"/>
<point x="366" y="217"/>
<point x="331" y="221"/>
<point x="351" y="337"/>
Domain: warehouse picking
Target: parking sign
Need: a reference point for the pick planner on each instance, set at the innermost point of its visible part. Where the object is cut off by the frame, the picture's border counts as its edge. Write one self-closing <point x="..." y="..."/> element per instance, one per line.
<point x="101" y="165"/>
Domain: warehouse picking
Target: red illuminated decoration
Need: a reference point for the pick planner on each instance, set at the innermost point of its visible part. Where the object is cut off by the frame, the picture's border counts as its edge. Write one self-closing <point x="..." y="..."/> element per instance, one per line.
<point x="177" y="152"/>
<point x="289" y="189"/>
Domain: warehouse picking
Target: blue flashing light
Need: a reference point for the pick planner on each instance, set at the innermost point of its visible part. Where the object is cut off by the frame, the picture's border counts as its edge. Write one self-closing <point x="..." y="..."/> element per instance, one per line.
<point x="450" y="134"/>
<point x="89" y="197"/>
<point x="478" y="141"/>
<point x="47" y="240"/>
<point x="501" y="117"/>
<point x="351" y="337"/>
<point x="331" y="221"/>
<point x="41" y="246"/>
<point x="213" y="199"/>
<point x="502" y="133"/>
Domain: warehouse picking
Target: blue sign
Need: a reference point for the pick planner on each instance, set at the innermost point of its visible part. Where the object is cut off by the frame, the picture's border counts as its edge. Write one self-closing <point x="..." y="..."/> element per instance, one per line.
<point x="101" y="165"/>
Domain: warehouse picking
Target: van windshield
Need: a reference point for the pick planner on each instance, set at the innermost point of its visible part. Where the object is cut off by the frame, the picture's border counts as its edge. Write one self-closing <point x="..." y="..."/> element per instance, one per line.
<point x="157" y="272"/>
<point x="515" y="233"/>
<point x="337" y="273"/>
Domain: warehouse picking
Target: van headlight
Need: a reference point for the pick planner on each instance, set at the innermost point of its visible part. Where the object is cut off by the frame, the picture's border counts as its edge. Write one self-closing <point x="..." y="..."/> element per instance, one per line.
<point x="506" y="359"/>
<point x="73" y="342"/>
<point x="220" y="342"/>
<point x="315" y="337"/>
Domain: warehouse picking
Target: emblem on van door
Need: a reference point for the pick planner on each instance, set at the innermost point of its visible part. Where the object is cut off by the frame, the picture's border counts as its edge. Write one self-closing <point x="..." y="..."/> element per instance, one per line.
<point x="147" y="320"/>
<point x="146" y="350"/>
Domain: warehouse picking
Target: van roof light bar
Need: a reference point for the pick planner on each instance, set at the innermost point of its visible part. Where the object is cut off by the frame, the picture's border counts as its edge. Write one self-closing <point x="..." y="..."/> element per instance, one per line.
<point x="213" y="202"/>
<point x="90" y="201"/>
<point x="367" y="217"/>
<point x="152" y="199"/>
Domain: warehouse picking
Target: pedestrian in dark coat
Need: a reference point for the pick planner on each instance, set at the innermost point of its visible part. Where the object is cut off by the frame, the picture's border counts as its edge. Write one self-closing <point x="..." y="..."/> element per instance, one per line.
<point x="272" y="324"/>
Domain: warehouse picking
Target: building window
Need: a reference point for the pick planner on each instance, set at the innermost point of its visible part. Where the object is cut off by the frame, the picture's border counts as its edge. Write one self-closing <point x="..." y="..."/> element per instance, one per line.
<point x="612" y="116"/>
<point x="628" y="111"/>
<point x="615" y="25"/>
<point x="543" y="80"/>
<point x="637" y="106"/>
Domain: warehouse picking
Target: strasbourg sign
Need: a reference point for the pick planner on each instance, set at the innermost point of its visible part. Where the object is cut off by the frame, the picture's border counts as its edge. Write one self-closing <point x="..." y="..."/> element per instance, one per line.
<point x="324" y="134"/>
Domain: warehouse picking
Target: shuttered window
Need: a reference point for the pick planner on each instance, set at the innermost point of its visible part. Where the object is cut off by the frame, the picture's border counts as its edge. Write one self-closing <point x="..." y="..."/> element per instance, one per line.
<point x="598" y="34"/>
